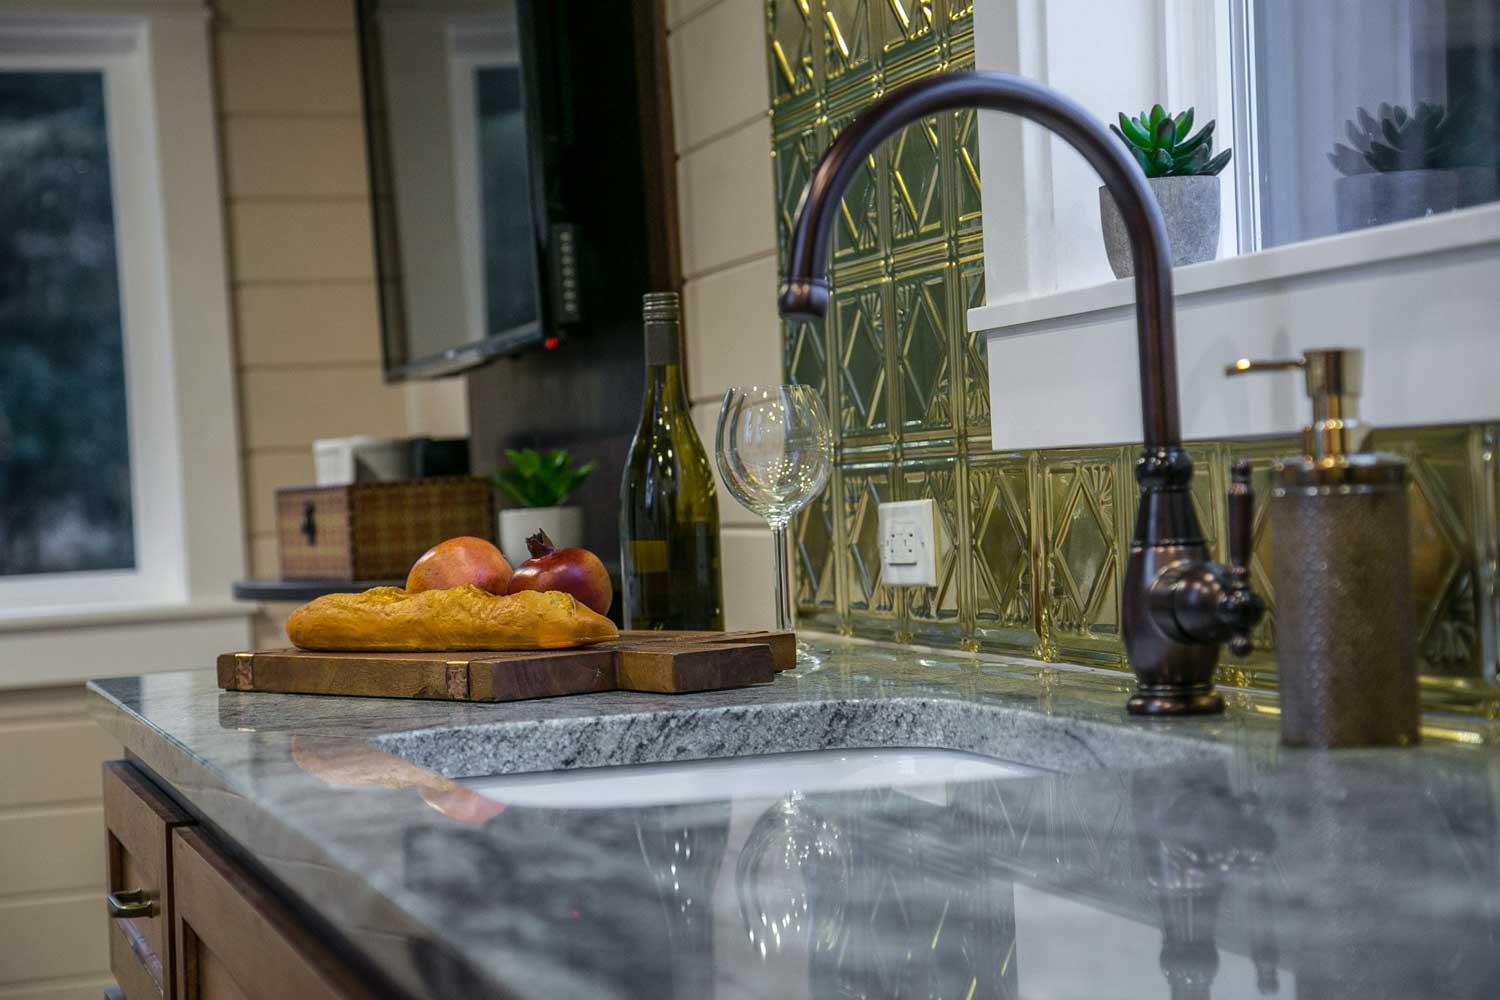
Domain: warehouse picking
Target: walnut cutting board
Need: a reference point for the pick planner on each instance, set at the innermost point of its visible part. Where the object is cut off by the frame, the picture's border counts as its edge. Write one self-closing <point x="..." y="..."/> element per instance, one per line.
<point x="661" y="662"/>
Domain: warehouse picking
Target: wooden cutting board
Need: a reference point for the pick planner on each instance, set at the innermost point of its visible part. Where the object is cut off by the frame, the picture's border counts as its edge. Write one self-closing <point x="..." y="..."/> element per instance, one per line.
<point x="662" y="662"/>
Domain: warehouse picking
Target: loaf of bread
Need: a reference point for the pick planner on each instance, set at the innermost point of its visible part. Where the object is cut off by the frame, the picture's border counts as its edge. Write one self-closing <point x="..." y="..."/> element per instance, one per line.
<point x="389" y="619"/>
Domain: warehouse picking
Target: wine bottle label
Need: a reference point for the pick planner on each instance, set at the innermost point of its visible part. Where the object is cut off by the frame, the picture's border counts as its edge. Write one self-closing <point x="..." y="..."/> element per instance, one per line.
<point x="661" y="344"/>
<point x="649" y="555"/>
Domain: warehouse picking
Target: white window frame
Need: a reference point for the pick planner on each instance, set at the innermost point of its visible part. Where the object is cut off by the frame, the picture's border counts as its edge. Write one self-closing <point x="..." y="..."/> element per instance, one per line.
<point x="115" y="48"/>
<point x="1420" y="297"/>
<point x="179" y="368"/>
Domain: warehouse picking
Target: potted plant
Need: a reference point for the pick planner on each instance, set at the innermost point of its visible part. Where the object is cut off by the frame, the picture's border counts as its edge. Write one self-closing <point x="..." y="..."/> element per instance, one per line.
<point x="541" y="483"/>
<point x="1404" y="165"/>
<point x="1182" y="170"/>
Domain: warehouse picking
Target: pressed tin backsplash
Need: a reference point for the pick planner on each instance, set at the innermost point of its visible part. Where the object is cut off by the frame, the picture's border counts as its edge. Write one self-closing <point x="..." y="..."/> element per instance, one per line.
<point x="1035" y="540"/>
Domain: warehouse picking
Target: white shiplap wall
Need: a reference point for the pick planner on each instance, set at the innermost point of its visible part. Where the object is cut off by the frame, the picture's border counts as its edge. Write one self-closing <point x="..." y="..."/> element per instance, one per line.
<point x="722" y="123"/>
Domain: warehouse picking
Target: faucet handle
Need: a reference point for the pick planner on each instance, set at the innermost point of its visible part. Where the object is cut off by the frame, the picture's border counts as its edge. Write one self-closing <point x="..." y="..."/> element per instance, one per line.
<point x="1242" y="607"/>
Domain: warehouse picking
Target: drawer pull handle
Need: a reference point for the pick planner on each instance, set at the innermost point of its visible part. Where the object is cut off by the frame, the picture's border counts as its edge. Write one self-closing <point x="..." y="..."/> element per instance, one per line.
<point x="127" y="904"/>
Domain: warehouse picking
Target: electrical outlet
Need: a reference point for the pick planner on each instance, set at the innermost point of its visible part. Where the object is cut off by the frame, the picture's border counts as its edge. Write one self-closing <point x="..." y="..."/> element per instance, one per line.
<point x="909" y="535"/>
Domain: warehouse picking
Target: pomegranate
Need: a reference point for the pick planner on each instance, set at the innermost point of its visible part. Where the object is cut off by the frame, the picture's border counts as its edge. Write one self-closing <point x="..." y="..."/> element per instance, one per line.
<point x="458" y="561"/>
<point x="572" y="571"/>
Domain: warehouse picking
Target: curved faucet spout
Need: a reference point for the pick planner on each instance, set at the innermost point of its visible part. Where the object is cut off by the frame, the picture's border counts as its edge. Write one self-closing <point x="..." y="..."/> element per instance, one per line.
<point x="805" y="292"/>
<point x="1177" y="606"/>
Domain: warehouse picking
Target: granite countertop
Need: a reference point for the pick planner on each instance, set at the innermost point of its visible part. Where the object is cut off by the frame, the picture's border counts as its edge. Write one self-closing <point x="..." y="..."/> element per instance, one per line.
<point x="1188" y="859"/>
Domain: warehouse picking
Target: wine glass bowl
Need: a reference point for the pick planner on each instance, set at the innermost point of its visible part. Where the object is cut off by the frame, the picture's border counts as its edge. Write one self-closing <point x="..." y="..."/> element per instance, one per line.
<point x="775" y="453"/>
<point x="774" y="448"/>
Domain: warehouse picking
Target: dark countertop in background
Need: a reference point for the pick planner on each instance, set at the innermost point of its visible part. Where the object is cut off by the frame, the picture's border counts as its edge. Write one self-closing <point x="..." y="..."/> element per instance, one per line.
<point x="1196" y="853"/>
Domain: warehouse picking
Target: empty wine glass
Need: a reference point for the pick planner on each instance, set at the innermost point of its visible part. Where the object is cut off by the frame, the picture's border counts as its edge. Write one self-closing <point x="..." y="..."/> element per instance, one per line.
<point x="775" y="452"/>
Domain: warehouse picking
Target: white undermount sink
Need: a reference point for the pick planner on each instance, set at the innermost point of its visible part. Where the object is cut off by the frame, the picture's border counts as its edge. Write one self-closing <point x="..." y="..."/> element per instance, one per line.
<point x="762" y="777"/>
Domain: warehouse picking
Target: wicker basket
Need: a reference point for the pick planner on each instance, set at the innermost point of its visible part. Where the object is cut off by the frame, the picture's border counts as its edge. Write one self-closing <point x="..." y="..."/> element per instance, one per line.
<point x="375" y="531"/>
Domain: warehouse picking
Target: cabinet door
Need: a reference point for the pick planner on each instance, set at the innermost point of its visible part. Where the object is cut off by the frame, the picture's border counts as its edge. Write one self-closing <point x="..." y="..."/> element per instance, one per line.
<point x="139" y="819"/>
<point x="235" y="939"/>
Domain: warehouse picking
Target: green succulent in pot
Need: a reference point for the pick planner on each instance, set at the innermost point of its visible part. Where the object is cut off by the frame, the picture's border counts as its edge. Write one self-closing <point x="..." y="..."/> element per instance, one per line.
<point x="1164" y="144"/>
<point x="1182" y="171"/>
<point x="541" y="479"/>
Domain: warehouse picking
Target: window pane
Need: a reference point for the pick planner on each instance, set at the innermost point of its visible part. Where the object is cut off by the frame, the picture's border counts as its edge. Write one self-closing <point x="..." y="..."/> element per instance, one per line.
<point x="1372" y="111"/>
<point x="64" y="456"/>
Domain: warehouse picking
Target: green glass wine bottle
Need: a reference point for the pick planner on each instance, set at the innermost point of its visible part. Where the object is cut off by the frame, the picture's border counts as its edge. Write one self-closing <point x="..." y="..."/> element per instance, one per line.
<point x="669" y="509"/>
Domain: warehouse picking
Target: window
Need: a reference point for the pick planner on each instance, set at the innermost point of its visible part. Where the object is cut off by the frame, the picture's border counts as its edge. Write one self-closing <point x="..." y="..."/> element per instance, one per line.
<point x="91" y="477"/>
<point x="1360" y="113"/>
<point x="65" y="500"/>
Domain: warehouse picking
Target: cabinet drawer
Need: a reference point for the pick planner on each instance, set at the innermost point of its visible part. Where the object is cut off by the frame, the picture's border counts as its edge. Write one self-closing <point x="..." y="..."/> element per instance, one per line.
<point x="139" y="820"/>
<point x="235" y="939"/>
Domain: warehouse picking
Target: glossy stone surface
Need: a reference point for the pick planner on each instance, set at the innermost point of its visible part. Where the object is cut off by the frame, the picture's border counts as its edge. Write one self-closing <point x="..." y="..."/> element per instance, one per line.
<point x="1193" y="858"/>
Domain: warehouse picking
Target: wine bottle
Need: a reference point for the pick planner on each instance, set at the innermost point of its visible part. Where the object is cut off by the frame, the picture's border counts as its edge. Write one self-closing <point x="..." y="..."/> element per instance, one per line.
<point x="669" y="509"/>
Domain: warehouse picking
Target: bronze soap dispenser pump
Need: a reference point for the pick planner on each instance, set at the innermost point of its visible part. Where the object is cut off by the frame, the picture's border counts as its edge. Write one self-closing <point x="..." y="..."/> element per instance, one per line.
<point x="1340" y="572"/>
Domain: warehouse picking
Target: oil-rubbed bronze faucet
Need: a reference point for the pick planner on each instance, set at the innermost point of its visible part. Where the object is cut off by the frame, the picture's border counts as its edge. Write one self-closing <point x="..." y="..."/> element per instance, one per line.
<point x="1179" y="606"/>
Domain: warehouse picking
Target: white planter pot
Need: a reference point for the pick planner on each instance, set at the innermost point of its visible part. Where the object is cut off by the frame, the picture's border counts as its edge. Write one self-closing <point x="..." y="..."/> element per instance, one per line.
<point x="1190" y="206"/>
<point x="564" y="525"/>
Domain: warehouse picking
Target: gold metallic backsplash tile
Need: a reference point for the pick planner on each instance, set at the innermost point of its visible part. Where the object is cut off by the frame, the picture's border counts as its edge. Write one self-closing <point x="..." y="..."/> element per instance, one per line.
<point x="1035" y="541"/>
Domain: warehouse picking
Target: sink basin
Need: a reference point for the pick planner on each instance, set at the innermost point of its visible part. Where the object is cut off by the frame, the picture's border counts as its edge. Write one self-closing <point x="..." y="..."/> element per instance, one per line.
<point x="921" y="772"/>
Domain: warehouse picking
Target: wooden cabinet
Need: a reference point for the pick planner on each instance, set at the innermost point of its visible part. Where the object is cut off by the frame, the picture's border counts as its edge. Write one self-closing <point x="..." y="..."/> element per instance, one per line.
<point x="139" y="820"/>
<point x="235" y="939"/>
<point x="188" y="922"/>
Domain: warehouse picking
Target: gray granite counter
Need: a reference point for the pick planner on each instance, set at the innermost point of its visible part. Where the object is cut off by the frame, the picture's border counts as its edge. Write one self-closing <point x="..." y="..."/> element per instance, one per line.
<point x="1153" y="859"/>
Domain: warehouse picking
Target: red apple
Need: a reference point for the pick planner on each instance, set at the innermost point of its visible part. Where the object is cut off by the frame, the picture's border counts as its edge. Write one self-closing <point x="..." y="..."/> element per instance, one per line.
<point x="459" y="561"/>
<point x="572" y="571"/>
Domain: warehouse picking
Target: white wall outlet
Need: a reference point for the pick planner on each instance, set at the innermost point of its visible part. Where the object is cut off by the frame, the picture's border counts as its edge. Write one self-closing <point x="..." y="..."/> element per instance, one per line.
<point x="909" y="535"/>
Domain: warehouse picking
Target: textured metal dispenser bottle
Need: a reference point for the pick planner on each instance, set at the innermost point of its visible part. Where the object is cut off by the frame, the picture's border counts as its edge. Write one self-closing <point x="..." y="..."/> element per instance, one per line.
<point x="1341" y="573"/>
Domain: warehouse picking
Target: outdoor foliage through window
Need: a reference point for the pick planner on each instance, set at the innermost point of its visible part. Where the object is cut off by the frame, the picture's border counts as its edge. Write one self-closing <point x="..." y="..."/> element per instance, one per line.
<point x="64" y="448"/>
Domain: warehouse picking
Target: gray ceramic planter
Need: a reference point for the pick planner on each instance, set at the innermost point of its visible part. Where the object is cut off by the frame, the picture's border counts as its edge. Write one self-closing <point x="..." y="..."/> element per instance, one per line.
<point x="1376" y="199"/>
<point x="1190" y="206"/>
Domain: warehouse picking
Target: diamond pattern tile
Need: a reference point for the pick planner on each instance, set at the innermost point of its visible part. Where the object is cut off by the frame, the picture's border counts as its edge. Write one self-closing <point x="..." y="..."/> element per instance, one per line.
<point x="812" y="533"/>
<point x="856" y="234"/>
<point x="966" y="170"/>
<point x="793" y="30"/>
<point x="865" y="489"/>
<point x="1443" y="486"/>
<point x="1000" y="551"/>
<point x="846" y="38"/>
<point x="906" y="25"/>
<point x="806" y="356"/>
<point x="916" y="177"/>
<point x="794" y="156"/>
<point x="922" y="354"/>
<point x="1081" y="494"/>
<point x="859" y="320"/>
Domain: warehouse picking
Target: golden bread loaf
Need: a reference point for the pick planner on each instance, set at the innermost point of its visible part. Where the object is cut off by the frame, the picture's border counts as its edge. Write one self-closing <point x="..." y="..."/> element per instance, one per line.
<point x="389" y="619"/>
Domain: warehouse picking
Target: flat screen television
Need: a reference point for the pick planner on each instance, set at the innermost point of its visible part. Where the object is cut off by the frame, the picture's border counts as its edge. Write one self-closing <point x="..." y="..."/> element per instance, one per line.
<point x="476" y="255"/>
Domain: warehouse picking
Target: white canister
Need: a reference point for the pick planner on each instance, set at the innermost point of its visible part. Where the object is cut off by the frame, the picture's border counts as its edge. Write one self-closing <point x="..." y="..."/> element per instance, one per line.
<point x="564" y="525"/>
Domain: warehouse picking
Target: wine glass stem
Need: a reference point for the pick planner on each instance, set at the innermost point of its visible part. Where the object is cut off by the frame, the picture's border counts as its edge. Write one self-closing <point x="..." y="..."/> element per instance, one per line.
<point x="783" y="579"/>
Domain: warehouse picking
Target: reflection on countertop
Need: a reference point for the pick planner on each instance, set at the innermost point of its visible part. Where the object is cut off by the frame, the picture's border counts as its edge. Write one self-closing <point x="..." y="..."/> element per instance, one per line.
<point x="1191" y="859"/>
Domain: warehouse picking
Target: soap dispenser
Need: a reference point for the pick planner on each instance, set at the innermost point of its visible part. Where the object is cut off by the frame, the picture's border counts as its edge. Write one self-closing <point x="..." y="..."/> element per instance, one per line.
<point x="1340" y="572"/>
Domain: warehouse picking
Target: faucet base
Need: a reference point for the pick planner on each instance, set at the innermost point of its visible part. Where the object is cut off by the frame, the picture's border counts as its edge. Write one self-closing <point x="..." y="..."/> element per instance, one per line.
<point x="1175" y="701"/>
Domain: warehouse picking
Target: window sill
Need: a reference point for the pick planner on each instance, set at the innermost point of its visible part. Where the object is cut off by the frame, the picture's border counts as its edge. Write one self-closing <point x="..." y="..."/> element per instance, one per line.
<point x="1450" y="231"/>
<point x="42" y="647"/>
<point x="134" y="613"/>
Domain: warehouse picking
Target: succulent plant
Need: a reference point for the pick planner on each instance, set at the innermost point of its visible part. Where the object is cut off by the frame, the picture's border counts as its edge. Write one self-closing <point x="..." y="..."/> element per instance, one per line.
<point x="1429" y="137"/>
<point x="1160" y="144"/>
<point x="535" y="479"/>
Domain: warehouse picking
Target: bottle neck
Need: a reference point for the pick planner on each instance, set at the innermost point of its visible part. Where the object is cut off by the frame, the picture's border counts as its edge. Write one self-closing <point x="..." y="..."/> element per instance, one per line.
<point x="664" y="366"/>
